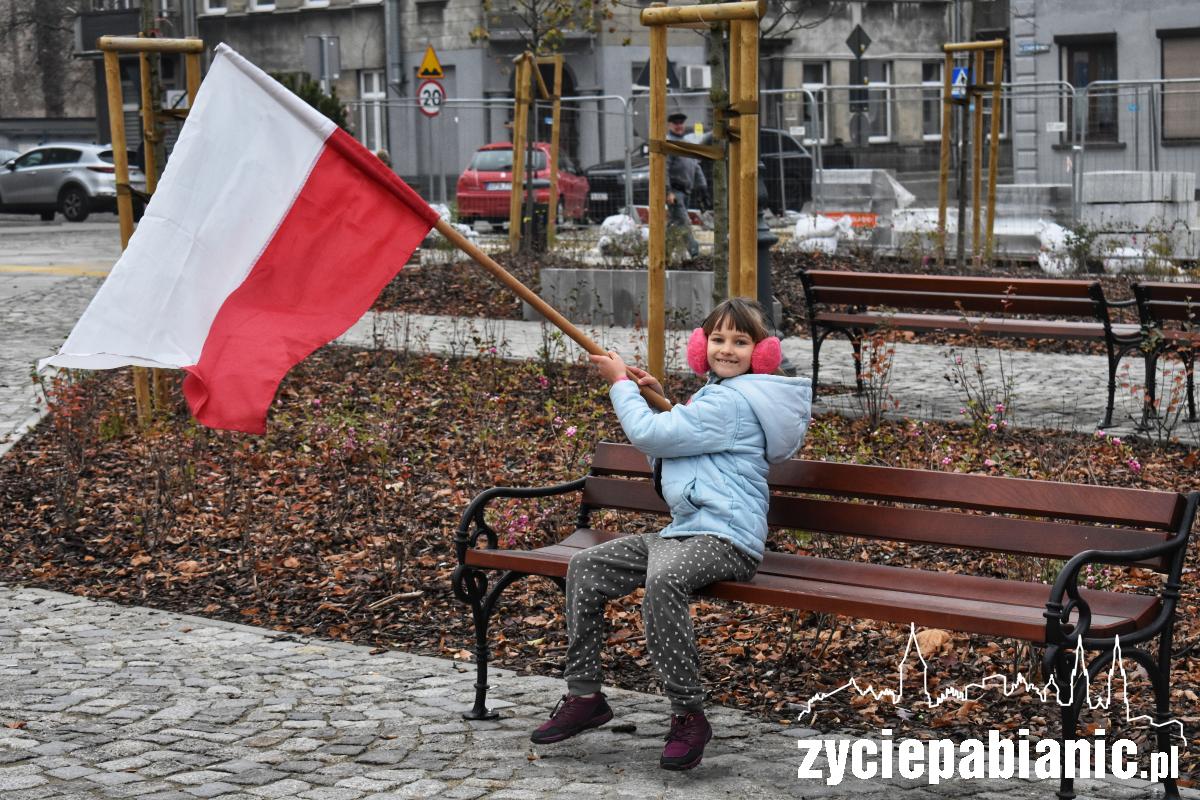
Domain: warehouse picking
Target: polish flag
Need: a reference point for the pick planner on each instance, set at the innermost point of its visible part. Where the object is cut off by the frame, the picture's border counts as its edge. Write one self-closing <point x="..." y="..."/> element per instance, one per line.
<point x="271" y="233"/>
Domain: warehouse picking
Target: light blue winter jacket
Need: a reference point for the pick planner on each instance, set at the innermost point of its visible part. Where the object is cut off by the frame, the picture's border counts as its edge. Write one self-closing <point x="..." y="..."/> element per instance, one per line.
<point x="716" y="450"/>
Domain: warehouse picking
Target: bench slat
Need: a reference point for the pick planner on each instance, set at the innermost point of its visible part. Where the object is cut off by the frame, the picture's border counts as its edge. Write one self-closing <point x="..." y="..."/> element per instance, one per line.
<point x="999" y="534"/>
<point x="950" y="300"/>
<point x="894" y="594"/>
<point x="937" y="283"/>
<point x="1161" y="310"/>
<point x="1001" y="326"/>
<point x="940" y="283"/>
<point x="1139" y="508"/>
<point x="1135" y="508"/>
<point x="962" y="530"/>
<point x="1170" y="292"/>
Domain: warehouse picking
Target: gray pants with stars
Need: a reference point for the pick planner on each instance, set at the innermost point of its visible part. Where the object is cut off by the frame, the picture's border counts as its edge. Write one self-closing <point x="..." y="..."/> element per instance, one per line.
<point x="671" y="569"/>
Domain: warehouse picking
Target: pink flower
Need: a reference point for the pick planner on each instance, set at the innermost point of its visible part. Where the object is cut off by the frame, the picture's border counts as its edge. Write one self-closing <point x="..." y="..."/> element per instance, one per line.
<point x="946" y="460"/>
<point x="987" y="462"/>
<point x="1099" y="434"/>
<point x="962" y="410"/>
<point x="1117" y="441"/>
<point x="543" y="381"/>
<point x="1134" y="465"/>
<point x="570" y="431"/>
<point x="1000" y="408"/>
<point x="992" y="426"/>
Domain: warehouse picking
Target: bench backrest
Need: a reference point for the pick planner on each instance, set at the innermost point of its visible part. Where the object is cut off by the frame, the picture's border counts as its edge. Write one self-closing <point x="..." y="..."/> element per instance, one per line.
<point x="1039" y="518"/>
<point x="1168" y="302"/>
<point x="1029" y="296"/>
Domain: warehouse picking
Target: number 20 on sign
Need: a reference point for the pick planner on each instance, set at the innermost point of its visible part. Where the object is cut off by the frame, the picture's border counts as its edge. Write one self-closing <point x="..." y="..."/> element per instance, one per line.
<point x="430" y="96"/>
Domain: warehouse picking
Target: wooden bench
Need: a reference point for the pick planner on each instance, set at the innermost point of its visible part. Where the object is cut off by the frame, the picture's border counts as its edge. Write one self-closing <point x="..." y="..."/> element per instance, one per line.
<point x="853" y="303"/>
<point x="1170" y="317"/>
<point x="1080" y="524"/>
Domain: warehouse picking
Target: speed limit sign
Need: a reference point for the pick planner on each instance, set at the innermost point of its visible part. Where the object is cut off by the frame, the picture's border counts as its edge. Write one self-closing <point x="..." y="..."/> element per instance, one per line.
<point x="430" y="95"/>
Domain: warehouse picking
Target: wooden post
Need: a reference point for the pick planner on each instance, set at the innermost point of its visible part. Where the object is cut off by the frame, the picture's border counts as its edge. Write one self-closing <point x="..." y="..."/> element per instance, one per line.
<point x="994" y="144"/>
<point x="555" y="112"/>
<point x="520" y="121"/>
<point x="733" y="157"/>
<point x="944" y="159"/>
<point x="150" y="125"/>
<point x="747" y="146"/>
<point x="112" y="46"/>
<point x="116" y="120"/>
<point x="742" y="154"/>
<point x="657" y="277"/>
<point x="977" y="155"/>
<point x="193" y="77"/>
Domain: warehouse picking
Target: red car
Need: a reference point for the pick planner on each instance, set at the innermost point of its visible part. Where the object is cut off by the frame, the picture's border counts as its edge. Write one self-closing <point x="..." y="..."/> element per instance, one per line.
<point x="485" y="185"/>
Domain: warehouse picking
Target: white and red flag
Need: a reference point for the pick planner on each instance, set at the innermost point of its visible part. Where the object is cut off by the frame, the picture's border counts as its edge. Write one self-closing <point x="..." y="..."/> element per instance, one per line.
<point x="271" y="232"/>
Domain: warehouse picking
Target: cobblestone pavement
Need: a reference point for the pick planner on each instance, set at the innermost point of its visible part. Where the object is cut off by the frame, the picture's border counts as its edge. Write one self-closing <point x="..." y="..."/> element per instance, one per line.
<point x="37" y="311"/>
<point x="104" y="701"/>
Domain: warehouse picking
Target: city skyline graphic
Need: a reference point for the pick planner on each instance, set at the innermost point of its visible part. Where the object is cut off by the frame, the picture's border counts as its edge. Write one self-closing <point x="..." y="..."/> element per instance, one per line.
<point x="1098" y="700"/>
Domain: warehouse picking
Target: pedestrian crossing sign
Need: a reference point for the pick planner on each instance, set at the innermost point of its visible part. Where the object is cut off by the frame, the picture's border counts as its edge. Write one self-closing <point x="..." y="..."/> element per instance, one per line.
<point x="430" y="68"/>
<point x="958" y="81"/>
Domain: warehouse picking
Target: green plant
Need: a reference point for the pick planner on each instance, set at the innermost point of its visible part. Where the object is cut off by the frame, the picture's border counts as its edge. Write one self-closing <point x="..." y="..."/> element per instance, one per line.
<point x="310" y="92"/>
<point x="1081" y="244"/>
<point x="877" y="357"/>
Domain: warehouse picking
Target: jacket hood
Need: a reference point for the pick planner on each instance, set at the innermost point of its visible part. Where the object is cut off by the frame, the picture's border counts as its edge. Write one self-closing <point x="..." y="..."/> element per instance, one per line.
<point x="783" y="406"/>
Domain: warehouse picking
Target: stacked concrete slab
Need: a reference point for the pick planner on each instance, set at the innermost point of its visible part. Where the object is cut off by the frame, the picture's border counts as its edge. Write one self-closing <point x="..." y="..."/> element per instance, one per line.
<point x="862" y="190"/>
<point x="1137" y="206"/>
<point x="618" y="296"/>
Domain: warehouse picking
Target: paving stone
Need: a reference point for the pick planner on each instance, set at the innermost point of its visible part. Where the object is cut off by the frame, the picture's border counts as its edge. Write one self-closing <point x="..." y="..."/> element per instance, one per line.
<point x="243" y="759"/>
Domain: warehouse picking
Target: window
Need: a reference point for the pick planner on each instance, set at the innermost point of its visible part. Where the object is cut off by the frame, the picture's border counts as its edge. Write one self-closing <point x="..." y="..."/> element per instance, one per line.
<point x="214" y="6"/>
<point x="931" y="99"/>
<point x="502" y="160"/>
<point x="431" y="12"/>
<point x="315" y="3"/>
<point x="62" y="155"/>
<point x="34" y="158"/>
<point x="879" y="101"/>
<point x="262" y="5"/>
<point x="1086" y="62"/>
<point x="1181" y="101"/>
<point x="372" y="123"/>
<point x="1005" y="101"/>
<point x="815" y="80"/>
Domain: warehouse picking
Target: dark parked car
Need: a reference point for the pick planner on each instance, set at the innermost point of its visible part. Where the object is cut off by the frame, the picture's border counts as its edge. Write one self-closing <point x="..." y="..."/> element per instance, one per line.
<point x="787" y="170"/>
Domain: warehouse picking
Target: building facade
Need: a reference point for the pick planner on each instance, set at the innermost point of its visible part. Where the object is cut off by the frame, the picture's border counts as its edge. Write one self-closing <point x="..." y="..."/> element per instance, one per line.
<point x="1128" y="61"/>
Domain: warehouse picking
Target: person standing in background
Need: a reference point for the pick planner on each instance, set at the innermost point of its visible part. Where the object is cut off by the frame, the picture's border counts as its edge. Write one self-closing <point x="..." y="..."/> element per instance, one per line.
<point x="684" y="179"/>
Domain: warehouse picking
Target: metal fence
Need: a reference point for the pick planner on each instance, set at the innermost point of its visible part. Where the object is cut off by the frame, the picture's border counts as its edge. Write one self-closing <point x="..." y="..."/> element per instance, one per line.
<point x="1051" y="134"/>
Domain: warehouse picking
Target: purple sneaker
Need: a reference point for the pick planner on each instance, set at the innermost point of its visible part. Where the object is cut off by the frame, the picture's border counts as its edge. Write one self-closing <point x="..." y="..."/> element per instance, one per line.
<point x="573" y="715"/>
<point x="685" y="741"/>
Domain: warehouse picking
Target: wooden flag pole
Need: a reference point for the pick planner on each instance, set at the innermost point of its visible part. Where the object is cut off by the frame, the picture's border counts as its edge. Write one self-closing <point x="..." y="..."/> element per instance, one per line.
<point x="529" y="296"/>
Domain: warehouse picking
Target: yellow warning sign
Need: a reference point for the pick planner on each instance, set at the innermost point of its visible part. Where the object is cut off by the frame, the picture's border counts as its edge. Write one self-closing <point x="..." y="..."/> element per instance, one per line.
<point x="430" y="66"/>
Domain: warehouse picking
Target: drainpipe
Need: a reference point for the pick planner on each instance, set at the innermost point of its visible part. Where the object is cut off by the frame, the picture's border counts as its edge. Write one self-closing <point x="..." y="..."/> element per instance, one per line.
<point x="394" y="74"/>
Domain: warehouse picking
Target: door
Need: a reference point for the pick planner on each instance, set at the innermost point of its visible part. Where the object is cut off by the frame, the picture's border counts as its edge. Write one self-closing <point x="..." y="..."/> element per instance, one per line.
<point x="16" y="185"/>
<point x="51" y="174"/>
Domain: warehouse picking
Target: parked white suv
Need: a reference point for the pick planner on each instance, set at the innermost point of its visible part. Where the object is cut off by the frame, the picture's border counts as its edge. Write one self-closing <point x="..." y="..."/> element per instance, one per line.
<point x="75" y="179"/>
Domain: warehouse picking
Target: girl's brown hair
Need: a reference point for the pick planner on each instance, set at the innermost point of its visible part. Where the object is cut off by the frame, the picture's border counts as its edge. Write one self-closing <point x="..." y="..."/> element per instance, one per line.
<point x="740" y="313"/>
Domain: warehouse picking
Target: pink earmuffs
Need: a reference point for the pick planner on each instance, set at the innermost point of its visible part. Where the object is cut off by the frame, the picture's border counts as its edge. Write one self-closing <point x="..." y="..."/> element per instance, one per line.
<point x="767" y="356"/>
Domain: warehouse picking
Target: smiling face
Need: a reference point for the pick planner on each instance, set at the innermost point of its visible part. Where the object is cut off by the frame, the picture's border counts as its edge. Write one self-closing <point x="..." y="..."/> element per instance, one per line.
<point x="729" y="350"/>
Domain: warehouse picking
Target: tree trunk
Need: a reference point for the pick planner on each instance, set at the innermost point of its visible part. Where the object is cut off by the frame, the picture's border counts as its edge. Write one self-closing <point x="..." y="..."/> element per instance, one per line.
<point x="718" y="95"/>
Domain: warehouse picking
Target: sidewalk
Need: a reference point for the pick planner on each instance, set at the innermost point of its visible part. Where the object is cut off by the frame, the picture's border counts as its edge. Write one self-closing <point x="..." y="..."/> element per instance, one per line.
<point x="105" y="701"/>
